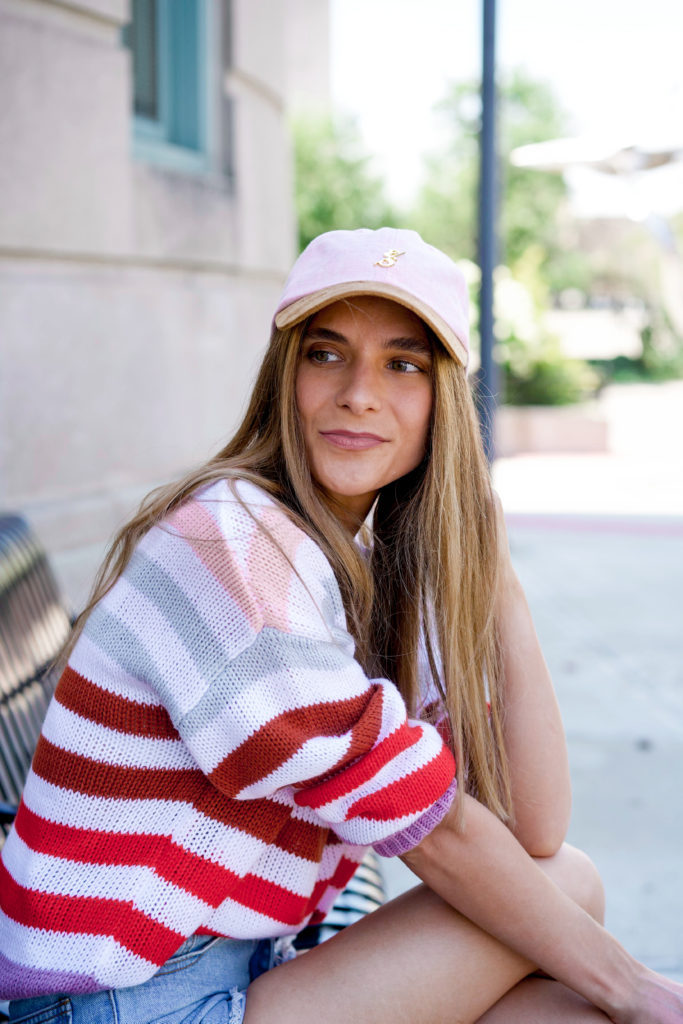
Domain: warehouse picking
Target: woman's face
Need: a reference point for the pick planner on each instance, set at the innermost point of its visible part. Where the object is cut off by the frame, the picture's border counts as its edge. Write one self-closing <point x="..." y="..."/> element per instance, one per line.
<point x="364" y="396"/>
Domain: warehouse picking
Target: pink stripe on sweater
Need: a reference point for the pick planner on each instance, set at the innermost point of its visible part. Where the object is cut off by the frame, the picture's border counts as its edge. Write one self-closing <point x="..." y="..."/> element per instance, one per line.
<point x="276" y="551"/>
<point x="200" y="531"/>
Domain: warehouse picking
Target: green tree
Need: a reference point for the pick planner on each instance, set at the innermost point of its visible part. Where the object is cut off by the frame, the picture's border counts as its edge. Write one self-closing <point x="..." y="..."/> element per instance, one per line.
<point x="534" y="369"/>
<point x="446" y="209"/>
<point x="335" y="185"/>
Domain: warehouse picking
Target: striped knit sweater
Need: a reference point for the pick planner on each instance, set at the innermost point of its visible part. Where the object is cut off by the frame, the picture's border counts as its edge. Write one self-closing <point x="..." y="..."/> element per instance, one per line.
<point x="214" y="759"/>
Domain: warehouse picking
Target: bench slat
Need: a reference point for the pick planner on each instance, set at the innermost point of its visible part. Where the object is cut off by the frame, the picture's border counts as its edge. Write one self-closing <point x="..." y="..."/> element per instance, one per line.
<point x="34" y="623"/>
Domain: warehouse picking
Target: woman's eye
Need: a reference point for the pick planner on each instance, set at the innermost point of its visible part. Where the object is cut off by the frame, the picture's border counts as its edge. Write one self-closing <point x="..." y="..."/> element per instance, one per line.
<point x="322" y="355"/>
<point x="404" y="366"/>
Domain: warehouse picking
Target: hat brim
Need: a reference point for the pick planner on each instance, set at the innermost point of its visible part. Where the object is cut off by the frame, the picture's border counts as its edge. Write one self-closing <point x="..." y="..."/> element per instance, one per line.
<point x="297" y="311"/>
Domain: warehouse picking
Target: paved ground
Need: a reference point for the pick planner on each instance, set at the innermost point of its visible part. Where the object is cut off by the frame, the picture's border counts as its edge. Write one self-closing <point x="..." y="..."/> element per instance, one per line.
<point x="598" y="544"/>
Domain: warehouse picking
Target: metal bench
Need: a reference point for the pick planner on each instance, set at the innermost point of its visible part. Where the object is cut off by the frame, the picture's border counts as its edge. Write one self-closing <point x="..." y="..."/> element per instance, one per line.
<point x="34" y="624"/>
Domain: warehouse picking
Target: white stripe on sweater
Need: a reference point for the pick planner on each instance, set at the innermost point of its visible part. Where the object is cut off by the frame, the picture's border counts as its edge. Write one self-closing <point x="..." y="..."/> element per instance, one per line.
<point x="139" y="886"/>
<point x="240" y="922"/>
<point x="172" y="659"/>
<point x="75" y="951"/>
<point x="190" y="830"/>
<point x="70" y="731"/>
<point x="105" y="814"/>
<point x="94" y="664"/>
<point x="315" y="757"/>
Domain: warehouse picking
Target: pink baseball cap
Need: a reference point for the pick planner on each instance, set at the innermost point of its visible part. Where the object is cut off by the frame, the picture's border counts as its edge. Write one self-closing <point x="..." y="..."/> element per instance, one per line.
<point x="392" y="263"/>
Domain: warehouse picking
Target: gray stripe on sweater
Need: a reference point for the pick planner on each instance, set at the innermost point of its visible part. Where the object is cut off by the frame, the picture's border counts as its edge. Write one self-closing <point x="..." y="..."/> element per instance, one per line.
<point x="311" y="669"/>
<point x="109" y="631"/>
<point x="206" y="649"/>
<point x="127" y="650"/>
<point x="124" y="648"/>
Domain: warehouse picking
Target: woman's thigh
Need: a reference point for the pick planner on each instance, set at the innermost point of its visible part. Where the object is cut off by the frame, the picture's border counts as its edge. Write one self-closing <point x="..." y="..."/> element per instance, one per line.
<point x="414" y="960"/>
<point x="542" y="1001"/>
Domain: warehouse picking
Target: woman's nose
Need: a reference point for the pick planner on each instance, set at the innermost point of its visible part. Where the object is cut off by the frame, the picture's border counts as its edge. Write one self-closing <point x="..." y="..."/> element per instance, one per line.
<point x="361" y="389"/>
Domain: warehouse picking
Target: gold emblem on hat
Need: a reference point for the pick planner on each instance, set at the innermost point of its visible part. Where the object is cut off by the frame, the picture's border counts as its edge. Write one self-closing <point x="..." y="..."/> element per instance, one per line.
<point x="389" y="258"/>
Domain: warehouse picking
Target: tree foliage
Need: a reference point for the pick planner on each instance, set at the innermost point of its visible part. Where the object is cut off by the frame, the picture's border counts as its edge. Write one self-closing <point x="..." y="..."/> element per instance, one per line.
<point x="446" y="210"/>
<point x="335" y="185"/>
<point x="534" y="258"/>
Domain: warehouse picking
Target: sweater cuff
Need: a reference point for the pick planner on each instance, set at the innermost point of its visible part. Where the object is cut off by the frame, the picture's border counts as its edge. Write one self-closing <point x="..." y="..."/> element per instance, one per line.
<point x="402" y="842"/>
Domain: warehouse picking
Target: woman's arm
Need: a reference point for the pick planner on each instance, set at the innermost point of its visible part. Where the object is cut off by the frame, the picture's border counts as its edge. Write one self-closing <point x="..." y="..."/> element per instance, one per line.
<point x="532" y="727"/>
<point x="482" y="871"/>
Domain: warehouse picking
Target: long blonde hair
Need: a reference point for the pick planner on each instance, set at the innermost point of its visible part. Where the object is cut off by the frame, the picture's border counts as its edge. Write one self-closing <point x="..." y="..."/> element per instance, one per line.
<point x="432" y="572"/>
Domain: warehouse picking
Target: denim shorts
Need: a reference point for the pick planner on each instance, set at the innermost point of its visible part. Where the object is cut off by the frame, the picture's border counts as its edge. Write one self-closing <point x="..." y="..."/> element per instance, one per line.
<point x="204" y="982"/>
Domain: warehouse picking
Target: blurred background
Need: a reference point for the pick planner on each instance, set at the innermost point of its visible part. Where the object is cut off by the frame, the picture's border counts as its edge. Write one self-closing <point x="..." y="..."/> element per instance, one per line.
<point x="163" y="162"/>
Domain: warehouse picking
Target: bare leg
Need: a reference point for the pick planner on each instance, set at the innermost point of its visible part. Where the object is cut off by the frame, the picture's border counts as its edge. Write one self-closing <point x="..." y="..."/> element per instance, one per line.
<point x="538" y="1000"/>
<point x="414" y="960"/>
<point x="541" y="1001"/>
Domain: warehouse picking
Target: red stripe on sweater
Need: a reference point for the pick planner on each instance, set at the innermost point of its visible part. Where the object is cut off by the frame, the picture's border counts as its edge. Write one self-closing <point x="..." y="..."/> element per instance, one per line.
<point x="91" y="701"/>
<point x="332" y="789"/>
<point x="363" y="738"/>
<point x="271" y="900"/>
<point x="89" y="915"/>
<point x="97" y="778"/>
<point x="343" y="872"/>
<point x="208" y="881"/>
<point x="202" y="878"/>
<point x="264" y="819"/>
<point x="280" y="738"/>
<point x="303" y="839"/>
<point x="414" y="792"/>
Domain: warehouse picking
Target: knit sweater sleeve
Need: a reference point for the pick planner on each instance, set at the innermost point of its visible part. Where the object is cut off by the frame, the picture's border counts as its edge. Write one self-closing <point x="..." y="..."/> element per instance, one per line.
<point x="243" y="628"/>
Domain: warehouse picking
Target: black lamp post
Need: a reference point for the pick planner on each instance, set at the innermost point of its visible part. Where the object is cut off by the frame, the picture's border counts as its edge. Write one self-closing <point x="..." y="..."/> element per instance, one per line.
<point x="488" y="202"/>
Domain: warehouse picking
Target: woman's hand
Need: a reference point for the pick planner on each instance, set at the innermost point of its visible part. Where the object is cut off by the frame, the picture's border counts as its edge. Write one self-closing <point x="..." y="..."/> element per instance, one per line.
<point x="654" y="1000"/>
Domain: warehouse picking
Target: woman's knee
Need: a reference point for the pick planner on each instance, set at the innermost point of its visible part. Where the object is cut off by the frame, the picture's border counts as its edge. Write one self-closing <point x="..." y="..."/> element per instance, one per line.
<point x="576" y="874"/>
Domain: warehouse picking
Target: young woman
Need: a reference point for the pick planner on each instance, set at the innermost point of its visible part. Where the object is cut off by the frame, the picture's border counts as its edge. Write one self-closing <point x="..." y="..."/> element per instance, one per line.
<point x="315" y="644"/>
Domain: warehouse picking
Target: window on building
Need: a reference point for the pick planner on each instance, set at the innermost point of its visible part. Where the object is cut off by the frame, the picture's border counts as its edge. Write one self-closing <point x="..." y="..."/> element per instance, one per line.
<point x="170" y="69"/>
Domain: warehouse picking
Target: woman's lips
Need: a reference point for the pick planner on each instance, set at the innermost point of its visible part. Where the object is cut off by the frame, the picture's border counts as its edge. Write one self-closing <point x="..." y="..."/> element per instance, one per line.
<point x="351" y="441"/>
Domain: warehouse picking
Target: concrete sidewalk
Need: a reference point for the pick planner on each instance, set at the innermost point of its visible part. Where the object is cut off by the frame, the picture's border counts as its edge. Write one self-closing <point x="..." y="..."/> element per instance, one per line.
<point x="598" y="544"/>
<point x="607" y="606"/>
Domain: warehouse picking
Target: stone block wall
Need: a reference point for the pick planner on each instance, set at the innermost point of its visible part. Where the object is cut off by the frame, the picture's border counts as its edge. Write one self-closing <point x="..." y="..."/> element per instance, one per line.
<point x="135" y="300"/>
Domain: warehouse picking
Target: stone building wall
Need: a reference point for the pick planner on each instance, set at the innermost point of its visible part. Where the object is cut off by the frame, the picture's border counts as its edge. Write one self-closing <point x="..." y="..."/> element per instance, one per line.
<point x="135" y="300"/>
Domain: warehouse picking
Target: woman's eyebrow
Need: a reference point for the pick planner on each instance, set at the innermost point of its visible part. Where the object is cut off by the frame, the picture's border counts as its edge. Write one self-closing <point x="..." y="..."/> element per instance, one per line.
<point x="420" y="346"/>
<point x="324" y="334"/>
